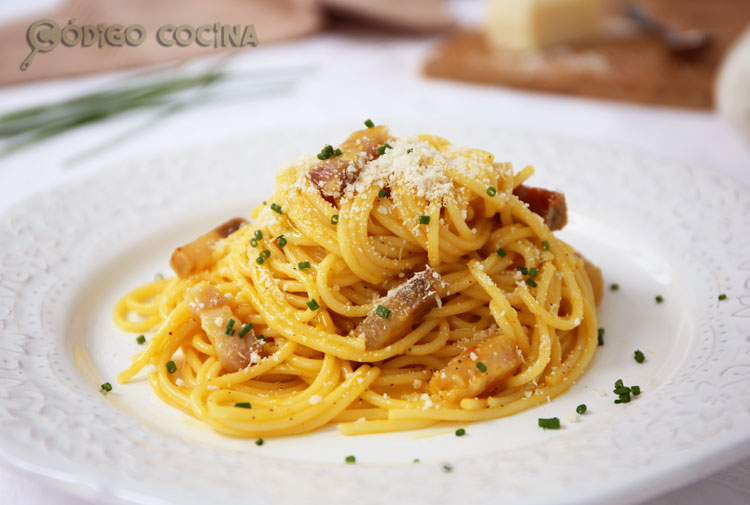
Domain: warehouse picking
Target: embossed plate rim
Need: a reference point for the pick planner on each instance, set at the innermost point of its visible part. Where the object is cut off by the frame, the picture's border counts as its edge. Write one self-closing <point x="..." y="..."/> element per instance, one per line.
<point x="128" y="480"/>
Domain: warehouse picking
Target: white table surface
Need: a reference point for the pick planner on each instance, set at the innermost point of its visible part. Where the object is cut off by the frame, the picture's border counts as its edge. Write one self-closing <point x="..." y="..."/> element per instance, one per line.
<point x="345" y="78"/>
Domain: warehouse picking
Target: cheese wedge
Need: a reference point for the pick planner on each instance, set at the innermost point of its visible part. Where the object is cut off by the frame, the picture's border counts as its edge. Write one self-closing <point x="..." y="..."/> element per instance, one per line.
<point x="533" y="24"/>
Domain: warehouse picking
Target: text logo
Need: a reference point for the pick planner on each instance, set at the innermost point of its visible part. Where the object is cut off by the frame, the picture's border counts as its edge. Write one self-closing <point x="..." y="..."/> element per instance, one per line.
<point x="45" y="35"/>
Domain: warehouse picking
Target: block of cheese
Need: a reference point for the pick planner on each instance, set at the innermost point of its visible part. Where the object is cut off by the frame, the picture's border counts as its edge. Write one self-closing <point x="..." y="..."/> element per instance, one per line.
<point x="532" y="24"/>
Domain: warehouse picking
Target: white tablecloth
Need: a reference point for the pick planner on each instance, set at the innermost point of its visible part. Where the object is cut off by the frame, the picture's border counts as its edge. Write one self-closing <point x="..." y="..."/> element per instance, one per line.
<point x="347" y="78"/>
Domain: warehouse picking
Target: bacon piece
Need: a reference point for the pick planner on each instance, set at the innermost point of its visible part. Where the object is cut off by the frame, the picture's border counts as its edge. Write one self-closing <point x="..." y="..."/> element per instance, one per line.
<point x="408" y="303"/>
<point x="461" y="378"/>
<point x="331" y="176"/>
<point x="234" y="353"/>
<point x="548" y="204"/>
<point x="196" y="255"/>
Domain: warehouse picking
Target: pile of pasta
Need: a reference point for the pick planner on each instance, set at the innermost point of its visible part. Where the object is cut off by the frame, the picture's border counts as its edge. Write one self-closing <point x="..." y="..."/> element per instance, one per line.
<point x="387" y="284"/>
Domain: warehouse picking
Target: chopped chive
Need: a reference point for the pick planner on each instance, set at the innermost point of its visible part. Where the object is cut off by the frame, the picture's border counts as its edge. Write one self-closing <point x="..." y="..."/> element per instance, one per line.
<point x="491" y="191"/>
<point x="533" y="272"/>
<point x="281" y="241"/>
<point x="624" y="393"/>
<point x="106" y="387"/>
<point x="253" y="242"/>
<point x="416" y="460"/>
<point x="410" y="150"/>
<point x="581" y="409"/>
<point x="638" y="356"/>
<point x="659" y="298"/>
<point x="245" y="330"/>
<point x="722" y="296"/>
<point x="369" y="123"/>
<point x="243" y="405"/>
<point x="424" y="219"/>
<point x="600" y="336"/>
<point x="551" y="423"/>
<point x="623" y="398"/>
<point x="159" y="277"/>
<point x="228" y="330"/>
<point x="261" y="337"/>
<point x="258" y="235"/>
<point x="326" y="152"/>
<point x="141" y="339"/>
<point x="313" y="304"/>
<point x="481" y="366"/>
<point x="303" y="265"/>
<point x="276" y="208"/>
<point x="447" y="468"/>
<point x="382" y="193"/>
<point x="265" y="253"/>
<point x="381" y="149"/>
<point x="350" y="459"/>
<point x="531" y="283"/>
<point x="614" y="286"/>
<point x="259" y="260"/>
<point x="171" y="367"/>
<point x="260" y="441"/>
<point x="523" y="270"/>
<point x="337" y="152"/>
<point x="383" y="312"/>
<point x="501" y="252"/>
<point x="335" y="219"/>
<point x="460" y="432"/>
<point x="545" y="245"/>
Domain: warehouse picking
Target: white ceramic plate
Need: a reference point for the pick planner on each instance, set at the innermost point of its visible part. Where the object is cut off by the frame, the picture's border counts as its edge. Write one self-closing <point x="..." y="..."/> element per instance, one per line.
<point x="654" y="228"/>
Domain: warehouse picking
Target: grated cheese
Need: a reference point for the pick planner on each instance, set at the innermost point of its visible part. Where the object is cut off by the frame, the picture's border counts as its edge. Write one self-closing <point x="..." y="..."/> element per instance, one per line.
<point x="423" y="171"/>
<point x="315" y="399"/>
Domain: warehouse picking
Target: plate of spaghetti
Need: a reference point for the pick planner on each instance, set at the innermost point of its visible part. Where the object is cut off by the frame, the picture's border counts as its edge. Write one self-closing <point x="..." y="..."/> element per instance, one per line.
<point x="390" y="316"/>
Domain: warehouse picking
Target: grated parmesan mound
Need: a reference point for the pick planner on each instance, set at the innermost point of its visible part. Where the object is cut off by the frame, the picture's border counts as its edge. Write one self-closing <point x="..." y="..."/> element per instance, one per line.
<point x="423" y="170"/>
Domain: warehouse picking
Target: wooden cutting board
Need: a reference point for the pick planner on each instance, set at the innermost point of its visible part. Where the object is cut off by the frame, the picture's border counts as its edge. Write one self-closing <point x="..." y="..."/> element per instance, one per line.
<point x="625" y="64"/>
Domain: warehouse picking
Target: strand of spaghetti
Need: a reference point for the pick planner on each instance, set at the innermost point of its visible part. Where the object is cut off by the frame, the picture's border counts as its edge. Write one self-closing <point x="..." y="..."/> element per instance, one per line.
<point x="198" y="395"/>
<point x="323" y="384"/>
<point x="433" y="345"/>
<point x="498" y="297"/>
<point x="160" y="380"/>
<point x="522" y="176"/>
<point x="177" y="326"/>
<point x="383" y="426"/>
<point x="460" y="305"/>
<point x="543" y="356"/>
<point x="458" y="219"/>
<point x="563" y="266"/>
<point x="236" y="421"/>
<point x="360" y="414"/>
<point x="210" y="370"/>
<point x="402" y="379"/>
<point x="356" y="249"/>
<point x="333" y="300"/>
<point x="433" y="235"/>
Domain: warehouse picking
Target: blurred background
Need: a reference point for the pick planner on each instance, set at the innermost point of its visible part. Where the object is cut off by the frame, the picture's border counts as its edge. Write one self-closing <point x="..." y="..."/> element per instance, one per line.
<point x="670" y="77"/>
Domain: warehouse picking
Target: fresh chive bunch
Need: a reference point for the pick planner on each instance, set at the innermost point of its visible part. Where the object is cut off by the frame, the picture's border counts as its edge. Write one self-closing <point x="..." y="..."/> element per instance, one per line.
<point x="33" y="124"/>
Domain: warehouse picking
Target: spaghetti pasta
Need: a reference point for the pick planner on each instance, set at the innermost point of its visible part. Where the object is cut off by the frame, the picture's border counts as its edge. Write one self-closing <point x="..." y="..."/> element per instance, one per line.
<point x="388" y="284"/>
